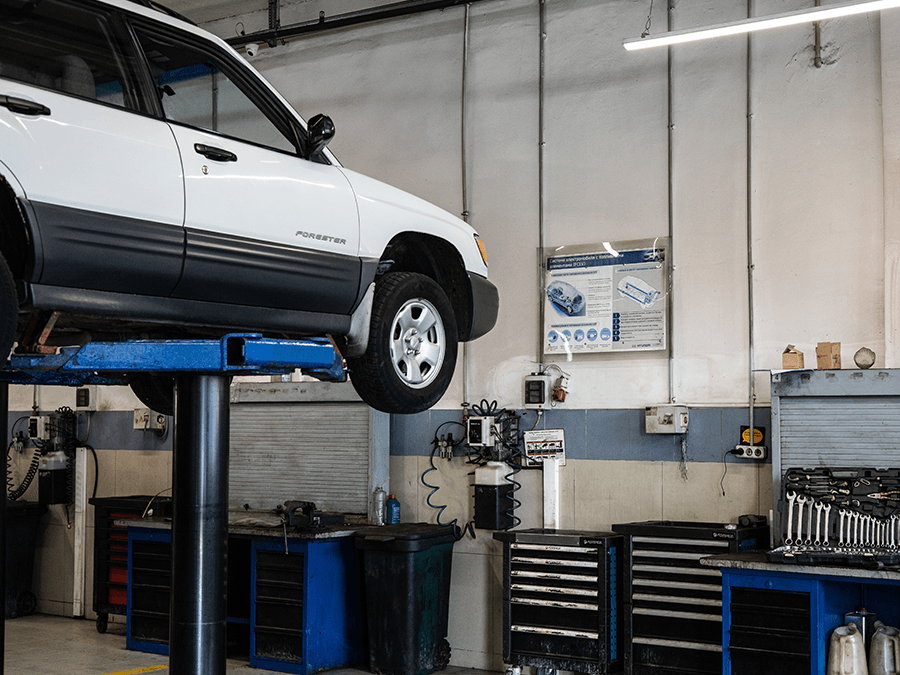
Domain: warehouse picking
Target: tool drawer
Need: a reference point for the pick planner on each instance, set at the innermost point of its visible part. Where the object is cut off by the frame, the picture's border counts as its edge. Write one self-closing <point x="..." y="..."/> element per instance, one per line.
<point x="673" y="604"/>
<point x="561" y="600"/>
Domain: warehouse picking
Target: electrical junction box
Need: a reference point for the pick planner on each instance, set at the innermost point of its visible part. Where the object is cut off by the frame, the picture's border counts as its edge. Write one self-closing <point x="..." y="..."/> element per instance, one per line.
<point x="666" y="419"/>
<point x="144" y="418"/>
<point x="480" y="431"/>
<point x="39" y="427"/>
<point x="537" y="392"/>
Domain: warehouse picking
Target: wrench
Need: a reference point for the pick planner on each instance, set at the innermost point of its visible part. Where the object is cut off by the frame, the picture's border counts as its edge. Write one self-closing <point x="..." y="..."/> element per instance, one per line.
<point x="842" y="514"/>
<point x="791" y="497"/>
<point x="801" y="500"/>
<point x="808" y="539"/>
<point x="827" y="528"/>
<point x="819" y="506"/>
<point x="856" y="528"/>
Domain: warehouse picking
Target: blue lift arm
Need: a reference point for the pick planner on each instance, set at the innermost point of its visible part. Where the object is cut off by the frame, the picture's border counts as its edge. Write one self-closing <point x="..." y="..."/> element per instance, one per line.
<point x="236" y="354"/>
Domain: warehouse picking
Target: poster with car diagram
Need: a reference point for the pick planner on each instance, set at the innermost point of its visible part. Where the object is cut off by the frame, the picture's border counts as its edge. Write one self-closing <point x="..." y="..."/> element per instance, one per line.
<point x="606" y="298"/>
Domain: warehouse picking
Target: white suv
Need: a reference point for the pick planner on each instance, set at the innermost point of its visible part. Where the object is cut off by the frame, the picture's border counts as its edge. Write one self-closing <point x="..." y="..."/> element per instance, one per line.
<point x="154" y="185"/>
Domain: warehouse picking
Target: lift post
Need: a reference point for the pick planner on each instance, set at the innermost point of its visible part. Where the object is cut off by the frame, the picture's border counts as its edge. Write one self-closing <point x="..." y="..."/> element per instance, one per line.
<point x="203" y="371"/>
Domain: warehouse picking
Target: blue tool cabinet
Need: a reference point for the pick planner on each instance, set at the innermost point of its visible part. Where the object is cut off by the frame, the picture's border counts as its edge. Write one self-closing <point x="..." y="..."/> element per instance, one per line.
<point x="306" y="607"/>
<point x="297" y="600"/>
<point x="778" y="618"/>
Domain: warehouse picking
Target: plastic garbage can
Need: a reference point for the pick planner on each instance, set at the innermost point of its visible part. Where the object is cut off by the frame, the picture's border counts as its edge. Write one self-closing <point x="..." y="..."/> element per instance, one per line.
<point x="22" y="519"/>
<point x="406" y="569"/>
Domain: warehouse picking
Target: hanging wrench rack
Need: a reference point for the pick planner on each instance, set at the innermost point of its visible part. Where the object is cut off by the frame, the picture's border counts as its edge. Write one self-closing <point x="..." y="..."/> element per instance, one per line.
<point x="840" y="516"/>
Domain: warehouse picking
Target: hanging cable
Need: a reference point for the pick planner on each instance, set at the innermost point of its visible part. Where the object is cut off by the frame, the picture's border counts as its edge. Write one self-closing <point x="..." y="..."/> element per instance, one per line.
<point x="649" y="19"/>
<point x="15" y="493"/>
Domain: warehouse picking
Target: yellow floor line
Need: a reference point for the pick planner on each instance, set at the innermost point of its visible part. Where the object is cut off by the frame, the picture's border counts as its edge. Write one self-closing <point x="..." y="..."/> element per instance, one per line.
<point x="139" y="670"/>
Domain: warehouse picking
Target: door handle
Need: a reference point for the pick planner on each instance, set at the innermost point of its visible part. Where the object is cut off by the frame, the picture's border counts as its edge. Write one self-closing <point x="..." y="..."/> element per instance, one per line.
<point x="215" y="154"/>
<point x="23" y="106"/>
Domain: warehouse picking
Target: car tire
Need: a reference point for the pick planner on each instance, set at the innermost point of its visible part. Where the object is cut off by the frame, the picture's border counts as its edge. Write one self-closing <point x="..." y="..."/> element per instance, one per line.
<point x="157" y="392"/>
<point x="9" y="309"/>
<point x="404" y="369"/>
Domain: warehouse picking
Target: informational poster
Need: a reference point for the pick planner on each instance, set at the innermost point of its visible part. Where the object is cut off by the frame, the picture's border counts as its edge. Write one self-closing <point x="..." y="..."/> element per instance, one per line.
<point x="608" y="298"/>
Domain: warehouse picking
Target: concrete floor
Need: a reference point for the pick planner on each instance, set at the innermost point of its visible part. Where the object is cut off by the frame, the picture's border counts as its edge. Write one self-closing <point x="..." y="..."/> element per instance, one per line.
<point x="53" y="645"/>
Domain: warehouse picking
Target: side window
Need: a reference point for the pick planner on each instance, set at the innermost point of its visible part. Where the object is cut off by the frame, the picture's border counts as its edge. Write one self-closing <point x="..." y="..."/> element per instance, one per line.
<point x="196" y="90"/>
<point x="62" y="46"/>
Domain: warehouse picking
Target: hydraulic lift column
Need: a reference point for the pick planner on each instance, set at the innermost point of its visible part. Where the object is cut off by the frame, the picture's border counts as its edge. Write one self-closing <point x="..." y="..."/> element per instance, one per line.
<point x="197" y="641"/>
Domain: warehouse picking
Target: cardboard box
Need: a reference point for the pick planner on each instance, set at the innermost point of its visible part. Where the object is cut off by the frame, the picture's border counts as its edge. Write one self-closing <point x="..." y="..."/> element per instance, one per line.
<point x="828" y="356"/>
<point x="792" y="358"/>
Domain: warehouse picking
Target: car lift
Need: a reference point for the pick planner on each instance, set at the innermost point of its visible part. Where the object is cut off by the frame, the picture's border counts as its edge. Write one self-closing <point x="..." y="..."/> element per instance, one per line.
<point x="202" y="370"/>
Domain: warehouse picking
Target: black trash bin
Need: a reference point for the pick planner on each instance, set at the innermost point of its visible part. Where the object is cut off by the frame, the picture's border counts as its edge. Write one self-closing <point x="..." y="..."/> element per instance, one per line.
<point x="22" y="519"/>
<point x="407" y="577"/>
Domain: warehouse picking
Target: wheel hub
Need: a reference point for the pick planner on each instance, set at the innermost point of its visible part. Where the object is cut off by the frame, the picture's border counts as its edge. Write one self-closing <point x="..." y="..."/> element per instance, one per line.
<point x="418" y="343"/>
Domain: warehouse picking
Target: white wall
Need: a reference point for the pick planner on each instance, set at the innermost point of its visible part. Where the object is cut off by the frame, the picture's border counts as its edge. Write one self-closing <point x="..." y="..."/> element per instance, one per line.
<point x="816" y="171"/>
<point x="823" y="198"/>
<point x="817" y="167"/>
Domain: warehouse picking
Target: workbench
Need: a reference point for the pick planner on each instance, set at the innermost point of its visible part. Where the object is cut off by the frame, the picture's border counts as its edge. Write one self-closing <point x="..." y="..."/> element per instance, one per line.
<point x="294" y="596"/>
<point x="778" y="618"/>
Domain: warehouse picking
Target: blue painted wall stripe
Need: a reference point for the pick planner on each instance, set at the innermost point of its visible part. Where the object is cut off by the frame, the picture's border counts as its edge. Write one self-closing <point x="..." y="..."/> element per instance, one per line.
<point x="600" y="434"/>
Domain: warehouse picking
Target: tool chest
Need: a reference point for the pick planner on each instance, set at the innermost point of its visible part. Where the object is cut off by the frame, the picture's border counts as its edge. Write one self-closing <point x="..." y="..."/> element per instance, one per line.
<point x="111" y="549"/>
<point x="562" y="600"/>
<point x="672" y="605"/>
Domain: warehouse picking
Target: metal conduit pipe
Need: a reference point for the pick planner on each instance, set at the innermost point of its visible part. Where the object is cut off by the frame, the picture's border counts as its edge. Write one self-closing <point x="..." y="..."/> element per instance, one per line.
<point x="464" y="170"/>
<point x="670" y="94"/>
<point x="323" y="23"/>
<point x="752" y="383"/>
<point x="542" y="36"/>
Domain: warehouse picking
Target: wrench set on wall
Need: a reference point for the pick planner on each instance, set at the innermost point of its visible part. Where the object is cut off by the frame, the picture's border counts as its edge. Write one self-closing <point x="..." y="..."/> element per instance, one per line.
<point x="841" y="516"/>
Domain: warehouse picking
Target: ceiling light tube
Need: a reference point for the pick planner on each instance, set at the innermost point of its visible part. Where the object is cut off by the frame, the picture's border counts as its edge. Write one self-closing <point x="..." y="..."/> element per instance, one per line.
<point x="751" y="25"/>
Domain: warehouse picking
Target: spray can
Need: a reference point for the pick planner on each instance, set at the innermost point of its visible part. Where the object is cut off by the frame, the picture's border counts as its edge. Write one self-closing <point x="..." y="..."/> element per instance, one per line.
<point x="378" y="502"/>
<point x="392" y="510"/>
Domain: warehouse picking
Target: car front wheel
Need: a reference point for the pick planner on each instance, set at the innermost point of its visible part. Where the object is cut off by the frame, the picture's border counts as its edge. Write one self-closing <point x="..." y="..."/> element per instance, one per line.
<point x="411" y="353"/>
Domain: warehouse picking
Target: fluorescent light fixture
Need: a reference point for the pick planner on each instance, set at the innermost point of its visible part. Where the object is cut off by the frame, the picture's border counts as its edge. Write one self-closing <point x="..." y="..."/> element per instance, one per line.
<point x="750" y="25"/>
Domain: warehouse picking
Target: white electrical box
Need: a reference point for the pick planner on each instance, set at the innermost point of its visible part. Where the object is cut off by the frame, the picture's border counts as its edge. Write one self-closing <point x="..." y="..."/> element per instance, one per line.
<point x="480" y="431"/>
<point x="146" y="419"/>
<point x="666" y="419"/>
<point x="537" y="392"/>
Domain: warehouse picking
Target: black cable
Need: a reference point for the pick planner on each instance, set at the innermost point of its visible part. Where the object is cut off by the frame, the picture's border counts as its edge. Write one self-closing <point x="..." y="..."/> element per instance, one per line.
<point x="12" y="494"/>
<point x="725" y="464"/>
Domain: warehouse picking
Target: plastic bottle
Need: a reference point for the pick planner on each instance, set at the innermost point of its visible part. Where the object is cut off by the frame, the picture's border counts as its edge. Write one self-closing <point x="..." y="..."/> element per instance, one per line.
<point x="378" y="500"/>
<point x="392" y="510"/>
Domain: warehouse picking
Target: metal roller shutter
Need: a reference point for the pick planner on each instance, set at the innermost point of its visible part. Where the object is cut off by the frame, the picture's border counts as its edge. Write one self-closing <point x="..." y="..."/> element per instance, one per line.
<point x="840" y="431"/>
<point x="316" y="452"/>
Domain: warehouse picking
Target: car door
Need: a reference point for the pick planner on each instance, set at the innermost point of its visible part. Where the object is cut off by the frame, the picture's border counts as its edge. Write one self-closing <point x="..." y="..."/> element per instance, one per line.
<point x="265" y="227"/>
<point x="103" y="178"/>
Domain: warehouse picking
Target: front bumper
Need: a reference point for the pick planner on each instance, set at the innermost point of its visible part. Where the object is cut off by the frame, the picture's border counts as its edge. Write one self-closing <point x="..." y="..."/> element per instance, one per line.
<point x="485" y="306"/>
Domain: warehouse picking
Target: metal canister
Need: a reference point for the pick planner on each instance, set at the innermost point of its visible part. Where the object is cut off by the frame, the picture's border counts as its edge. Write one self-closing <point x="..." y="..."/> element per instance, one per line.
<point x="378" y="498"/>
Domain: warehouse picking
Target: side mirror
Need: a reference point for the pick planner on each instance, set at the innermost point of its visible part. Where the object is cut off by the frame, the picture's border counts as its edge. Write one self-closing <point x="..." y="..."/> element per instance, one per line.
<point x="319" y="131"/>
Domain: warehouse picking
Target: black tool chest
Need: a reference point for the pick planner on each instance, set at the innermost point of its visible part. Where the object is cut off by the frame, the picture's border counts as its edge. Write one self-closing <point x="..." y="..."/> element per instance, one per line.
<point x="562" y="599"/>
<point x="672" y="605"/>
<point x="111" y="549"/>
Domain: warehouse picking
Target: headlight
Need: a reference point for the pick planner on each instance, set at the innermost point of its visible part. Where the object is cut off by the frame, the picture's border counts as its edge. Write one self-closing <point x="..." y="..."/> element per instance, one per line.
<point x="481" y="249"/>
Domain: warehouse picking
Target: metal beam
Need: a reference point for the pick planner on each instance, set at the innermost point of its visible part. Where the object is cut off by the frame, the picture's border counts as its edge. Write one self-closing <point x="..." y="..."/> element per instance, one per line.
<point x="390" y="11"/>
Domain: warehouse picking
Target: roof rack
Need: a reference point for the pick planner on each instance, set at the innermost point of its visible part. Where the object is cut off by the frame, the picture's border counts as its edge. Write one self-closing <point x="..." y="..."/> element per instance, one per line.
<point x="150" y="4"/>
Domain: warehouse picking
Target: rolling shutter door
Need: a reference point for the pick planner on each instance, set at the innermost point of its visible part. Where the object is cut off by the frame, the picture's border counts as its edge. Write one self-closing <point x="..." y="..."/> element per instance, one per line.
<point x="840" y="431"/>
<point x="316" y="452"/>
